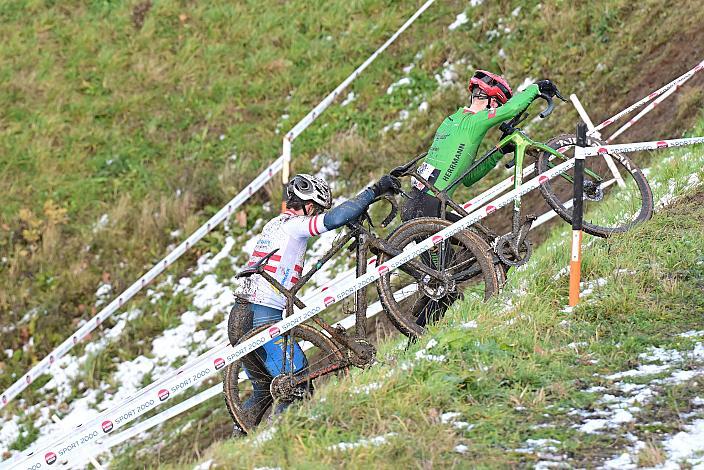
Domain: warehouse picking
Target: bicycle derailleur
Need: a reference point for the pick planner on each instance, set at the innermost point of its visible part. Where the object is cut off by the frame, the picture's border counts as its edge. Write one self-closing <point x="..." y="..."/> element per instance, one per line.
<point x="514" y="249"/>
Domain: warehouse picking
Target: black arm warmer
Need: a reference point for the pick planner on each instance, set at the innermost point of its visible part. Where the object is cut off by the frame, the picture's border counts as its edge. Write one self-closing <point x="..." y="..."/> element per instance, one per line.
<point x="348" y="210"/>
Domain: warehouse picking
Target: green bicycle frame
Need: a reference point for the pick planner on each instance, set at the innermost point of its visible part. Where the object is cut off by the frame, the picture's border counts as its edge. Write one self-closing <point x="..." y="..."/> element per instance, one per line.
<point x="521" y="142"/>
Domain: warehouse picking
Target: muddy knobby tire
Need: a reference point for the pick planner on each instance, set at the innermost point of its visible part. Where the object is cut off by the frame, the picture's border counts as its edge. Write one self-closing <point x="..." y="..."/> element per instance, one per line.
<point x="557" y="189"/>
<point x="235" y="392"/>
<point x="475" y="250"/>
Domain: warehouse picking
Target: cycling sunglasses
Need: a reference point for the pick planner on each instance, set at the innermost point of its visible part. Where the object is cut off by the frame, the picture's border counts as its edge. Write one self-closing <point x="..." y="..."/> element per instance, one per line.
<point x="492" y="82"/>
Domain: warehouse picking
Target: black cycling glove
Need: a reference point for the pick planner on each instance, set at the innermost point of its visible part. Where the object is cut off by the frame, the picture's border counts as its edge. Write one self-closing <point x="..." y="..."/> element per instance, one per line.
<point x="547" y="88"/>
<point x="386" y="184"/>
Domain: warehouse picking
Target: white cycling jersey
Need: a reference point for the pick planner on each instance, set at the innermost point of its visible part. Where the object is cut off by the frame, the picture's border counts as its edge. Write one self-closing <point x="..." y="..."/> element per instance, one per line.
<point x="289" y="233"/>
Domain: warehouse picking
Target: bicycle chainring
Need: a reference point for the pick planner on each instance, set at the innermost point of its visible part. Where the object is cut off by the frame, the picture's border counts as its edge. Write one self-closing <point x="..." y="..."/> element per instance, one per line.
<point x="504" y="250"/>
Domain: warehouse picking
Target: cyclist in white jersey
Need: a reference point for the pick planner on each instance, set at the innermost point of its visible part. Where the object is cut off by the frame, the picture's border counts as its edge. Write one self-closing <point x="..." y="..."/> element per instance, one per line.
<point x="258" y="302"/>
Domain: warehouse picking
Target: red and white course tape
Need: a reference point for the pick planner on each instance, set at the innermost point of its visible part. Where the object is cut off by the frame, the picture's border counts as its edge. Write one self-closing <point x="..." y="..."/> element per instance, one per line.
<point x="678" y="81"/>
<point x="641" y="146"/>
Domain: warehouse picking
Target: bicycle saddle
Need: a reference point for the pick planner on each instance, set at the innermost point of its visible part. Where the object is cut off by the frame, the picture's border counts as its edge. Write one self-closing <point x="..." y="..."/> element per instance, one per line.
<point x="256" y="268"/>
<point x="406" y="169"/>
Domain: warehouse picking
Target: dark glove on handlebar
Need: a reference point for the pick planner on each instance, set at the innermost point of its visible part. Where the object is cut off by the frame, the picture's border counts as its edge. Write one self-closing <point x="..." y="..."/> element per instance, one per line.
<point x="386" y="183"/>
<point x="547" y="87"/>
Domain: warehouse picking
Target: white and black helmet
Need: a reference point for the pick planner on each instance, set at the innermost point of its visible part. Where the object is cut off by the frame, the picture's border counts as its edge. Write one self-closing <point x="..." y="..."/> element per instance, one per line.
<point x="309" y="188"/>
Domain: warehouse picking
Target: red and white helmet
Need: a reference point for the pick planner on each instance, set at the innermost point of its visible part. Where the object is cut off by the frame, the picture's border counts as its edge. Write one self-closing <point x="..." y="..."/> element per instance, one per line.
<point x="495" y="86"/>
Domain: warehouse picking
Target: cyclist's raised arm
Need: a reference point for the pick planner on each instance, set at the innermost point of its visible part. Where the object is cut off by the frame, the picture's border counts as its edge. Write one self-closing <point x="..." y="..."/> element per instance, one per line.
<point x="519" y="102"/>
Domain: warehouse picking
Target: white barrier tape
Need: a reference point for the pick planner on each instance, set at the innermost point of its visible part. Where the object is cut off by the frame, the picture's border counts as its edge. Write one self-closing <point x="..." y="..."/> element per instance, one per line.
<point x="158" y="268"/>
<point x="201" y="369"/>
<point x="313" y="115"/>
<point x="646" y="110"/>
<point x="127" y="403"/>
<point x="640" y="146"/>
<point x="658" y="92"/>
<point x="113" y="440"/>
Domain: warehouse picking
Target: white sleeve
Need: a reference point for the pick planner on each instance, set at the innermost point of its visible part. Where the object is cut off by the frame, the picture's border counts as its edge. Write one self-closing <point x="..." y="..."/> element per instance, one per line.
<point x="305" y="226"/>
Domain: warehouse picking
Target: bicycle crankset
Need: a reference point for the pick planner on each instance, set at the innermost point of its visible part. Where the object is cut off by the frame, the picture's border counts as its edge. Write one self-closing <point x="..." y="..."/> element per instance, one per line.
<point x="363" y="353"/>
<point x="509" y="253"/>
<point x="282" y="388"/>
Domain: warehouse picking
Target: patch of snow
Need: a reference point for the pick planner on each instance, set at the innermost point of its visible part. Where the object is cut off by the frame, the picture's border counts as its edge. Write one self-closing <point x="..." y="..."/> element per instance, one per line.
<point x="526" y="83"/>
<point x="9" y="432"/>
<point x="461" y="449"/>
<point x="402" y="82"/>
<point x="264" y="436"/>
<point x="423" y="107"/>
<point x="103" y="293"/>
<point x="692" y="334"/>
<point x="459" y="21"/>
<point x="204" y="465"/>
<point x="365" y="389"/>
<point x="207" y="264"/>
<point x="686" y="446"/>
<point x="448" y="75"/>
<point x="101" y="223"/>
<point x="449" y="417"/>
<point x="373" y="441"/>
<point x="350" y="98"/>
<point x="469" y="325"/>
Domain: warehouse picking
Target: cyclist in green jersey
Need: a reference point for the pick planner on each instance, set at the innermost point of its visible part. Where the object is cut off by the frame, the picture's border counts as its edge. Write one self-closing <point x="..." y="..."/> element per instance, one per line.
<point x="457" y="139"/>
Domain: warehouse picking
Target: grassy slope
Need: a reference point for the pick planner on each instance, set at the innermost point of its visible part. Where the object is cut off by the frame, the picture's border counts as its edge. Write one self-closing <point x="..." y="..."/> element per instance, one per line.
<point x="114" y="108"/>
<point x="527" y="362"/>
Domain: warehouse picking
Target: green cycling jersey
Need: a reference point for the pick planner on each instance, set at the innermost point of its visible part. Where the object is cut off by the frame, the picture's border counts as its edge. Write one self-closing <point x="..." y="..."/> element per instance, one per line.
<point x="457" y="139"/>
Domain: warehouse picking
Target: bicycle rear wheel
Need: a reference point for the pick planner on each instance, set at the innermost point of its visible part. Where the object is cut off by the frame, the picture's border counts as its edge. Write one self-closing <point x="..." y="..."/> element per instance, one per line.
<point x="236" y="389"/>
<point x="413" y="299"/>
<point x="609" y="205"/>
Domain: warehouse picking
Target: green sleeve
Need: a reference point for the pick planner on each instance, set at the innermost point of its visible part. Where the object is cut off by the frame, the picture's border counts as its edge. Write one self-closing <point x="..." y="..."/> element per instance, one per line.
<point x="492" y="118"/>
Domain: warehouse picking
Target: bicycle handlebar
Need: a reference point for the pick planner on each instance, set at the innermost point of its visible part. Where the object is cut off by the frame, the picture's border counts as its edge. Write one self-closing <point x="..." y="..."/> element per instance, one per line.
<point x="551" y="105"/>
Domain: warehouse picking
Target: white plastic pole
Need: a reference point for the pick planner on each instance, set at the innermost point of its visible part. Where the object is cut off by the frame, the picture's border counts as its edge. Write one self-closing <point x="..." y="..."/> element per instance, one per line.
<point x="592" y="131"/>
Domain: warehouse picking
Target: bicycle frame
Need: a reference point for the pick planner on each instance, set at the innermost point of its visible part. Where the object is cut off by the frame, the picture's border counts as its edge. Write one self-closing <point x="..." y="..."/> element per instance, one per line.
<point x="362" y="352"/>
<point x="521" y="143"/>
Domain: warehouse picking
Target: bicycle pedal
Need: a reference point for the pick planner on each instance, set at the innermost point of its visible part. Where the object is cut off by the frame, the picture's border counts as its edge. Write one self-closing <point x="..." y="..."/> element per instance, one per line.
<point x="530" y="218"/>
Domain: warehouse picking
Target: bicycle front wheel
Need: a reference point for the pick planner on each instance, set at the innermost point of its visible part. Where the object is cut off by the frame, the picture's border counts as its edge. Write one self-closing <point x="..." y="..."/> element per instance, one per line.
<point x="413" y="299"/>
<point x="615" y="197"/>
<point x="326" y="358"/>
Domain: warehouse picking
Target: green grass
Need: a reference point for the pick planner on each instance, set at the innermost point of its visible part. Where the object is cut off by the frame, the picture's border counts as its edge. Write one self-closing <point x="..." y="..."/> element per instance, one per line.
<point x="133" y="109"/>
<point x="114" y="107"/>
<point x="526" y="364"/>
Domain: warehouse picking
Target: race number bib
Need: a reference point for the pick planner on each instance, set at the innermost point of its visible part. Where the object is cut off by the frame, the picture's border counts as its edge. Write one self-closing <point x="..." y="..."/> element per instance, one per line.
<point x="425" y="170"/>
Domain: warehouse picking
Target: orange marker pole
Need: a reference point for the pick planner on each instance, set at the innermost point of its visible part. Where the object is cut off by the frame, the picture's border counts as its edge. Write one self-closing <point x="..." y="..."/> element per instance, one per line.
<point x="577" y="215"/>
